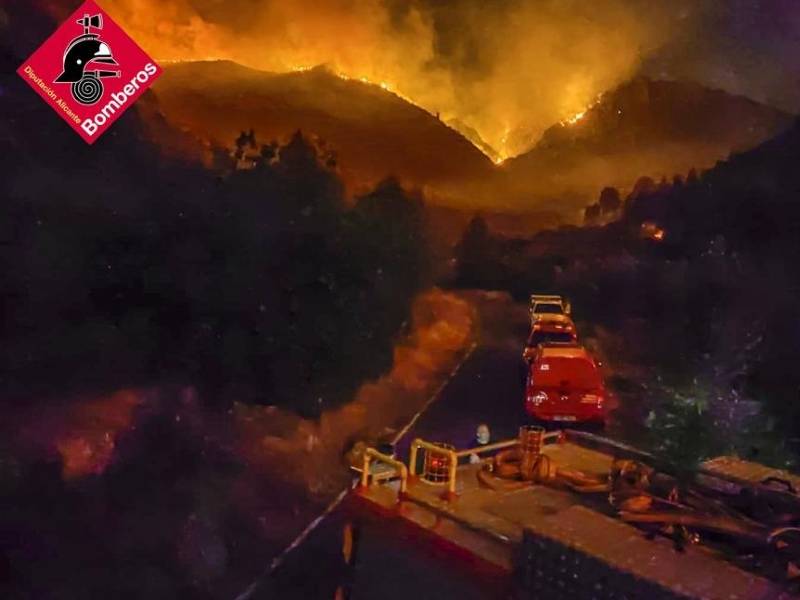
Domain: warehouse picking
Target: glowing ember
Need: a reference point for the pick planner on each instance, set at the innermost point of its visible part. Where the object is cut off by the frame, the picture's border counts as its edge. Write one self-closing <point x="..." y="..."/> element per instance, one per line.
<point x="652" y="231"/>
<point x="574" y="118"/>
<point x="581" y="114"/>
<point x="502" y="155"/>
<point x="87" y="443"/>
<point x="384" y="85"/>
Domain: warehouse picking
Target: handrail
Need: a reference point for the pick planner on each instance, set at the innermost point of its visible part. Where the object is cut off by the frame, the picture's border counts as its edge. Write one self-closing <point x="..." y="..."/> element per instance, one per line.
<point x="550" y="435"/>
<point x="453" y="455"/>
<point x="452" y="461"/>
<point x="401" y="468"/>
<point x="487" y="448"/>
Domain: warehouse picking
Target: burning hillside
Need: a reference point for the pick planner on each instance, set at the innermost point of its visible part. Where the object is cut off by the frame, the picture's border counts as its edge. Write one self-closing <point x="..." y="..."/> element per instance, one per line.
<point x="492" y="66"/>
<point x="644" y="127"/>
<point x="373" y="132"/>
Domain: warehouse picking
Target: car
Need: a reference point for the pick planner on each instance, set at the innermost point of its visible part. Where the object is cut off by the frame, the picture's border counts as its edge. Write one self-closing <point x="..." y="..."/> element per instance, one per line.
<point x="541" y="305"/>
<point x="549" y="328"/>
<point x="564" y="384"/>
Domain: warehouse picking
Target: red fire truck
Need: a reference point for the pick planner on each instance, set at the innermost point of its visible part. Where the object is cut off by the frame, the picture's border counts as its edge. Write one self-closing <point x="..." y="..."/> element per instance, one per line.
<point x="564" y="384"/>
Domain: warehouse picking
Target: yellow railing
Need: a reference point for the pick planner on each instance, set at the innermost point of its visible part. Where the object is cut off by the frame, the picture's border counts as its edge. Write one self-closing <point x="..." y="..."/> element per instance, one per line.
<point x="400" y="469"/>
<point x="487" y="448"/>
<point x="452" y="460"/>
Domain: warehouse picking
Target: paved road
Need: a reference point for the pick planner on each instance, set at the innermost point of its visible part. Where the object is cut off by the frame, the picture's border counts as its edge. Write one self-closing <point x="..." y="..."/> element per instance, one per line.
<point x="487" y="388"/>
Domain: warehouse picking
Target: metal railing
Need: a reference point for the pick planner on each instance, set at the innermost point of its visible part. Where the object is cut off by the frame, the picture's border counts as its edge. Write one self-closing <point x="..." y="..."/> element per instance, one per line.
<point x="549" y="436"/>
<point x="488" y="448"/>
<point x="400" y="469"/>
<point x="451" y="455"/>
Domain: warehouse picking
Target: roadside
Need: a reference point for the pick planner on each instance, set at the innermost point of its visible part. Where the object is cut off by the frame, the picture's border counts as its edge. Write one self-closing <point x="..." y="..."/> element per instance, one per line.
<point x="210" y="497"/>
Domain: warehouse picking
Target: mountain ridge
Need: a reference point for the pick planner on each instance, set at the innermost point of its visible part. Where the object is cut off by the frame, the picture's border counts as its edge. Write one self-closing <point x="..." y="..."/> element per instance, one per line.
<point x="374" y="132"/>
<point x="643" y="127"/>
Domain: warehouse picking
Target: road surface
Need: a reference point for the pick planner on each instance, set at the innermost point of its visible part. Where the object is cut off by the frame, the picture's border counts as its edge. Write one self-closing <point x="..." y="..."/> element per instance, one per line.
<point x="488" y="388"/>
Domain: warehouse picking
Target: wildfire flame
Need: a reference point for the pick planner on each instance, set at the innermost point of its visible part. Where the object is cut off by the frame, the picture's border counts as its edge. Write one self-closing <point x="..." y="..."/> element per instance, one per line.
<point x="578" y="116"/>
<point x="383" y="84"/>
<point x="574" y="118"/>
<point x="503" y="149"/>
<point x="523" y="78"/>
<point x="502" y="154"/>
<point x="653" y="231"/>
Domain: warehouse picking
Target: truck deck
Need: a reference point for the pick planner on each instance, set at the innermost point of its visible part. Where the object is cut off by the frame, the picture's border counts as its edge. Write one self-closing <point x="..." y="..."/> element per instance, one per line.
<point x="555" y="542"/>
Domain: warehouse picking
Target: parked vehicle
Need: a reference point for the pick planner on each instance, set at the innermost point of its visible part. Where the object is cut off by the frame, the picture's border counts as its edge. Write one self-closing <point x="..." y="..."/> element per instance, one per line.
<point x="541" y="305"/>
<point x="549" y="328"/>
<point x="564" y="384"/>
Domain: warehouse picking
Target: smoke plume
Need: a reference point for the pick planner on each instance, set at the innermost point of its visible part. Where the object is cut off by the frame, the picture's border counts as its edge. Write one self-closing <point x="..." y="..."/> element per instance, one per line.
<point x="506" y="69"/>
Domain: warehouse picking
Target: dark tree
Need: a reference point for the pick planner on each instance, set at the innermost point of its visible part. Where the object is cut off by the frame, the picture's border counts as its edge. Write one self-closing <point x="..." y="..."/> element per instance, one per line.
<point x="643" y="185"/>
<point x="591" y="214"/>
<point x="610" y="201"/>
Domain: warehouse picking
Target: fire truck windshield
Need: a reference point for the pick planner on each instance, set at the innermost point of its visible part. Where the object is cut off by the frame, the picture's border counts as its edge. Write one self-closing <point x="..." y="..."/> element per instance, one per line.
<point x="550" y="308"/>
<point x="541" y="337"/>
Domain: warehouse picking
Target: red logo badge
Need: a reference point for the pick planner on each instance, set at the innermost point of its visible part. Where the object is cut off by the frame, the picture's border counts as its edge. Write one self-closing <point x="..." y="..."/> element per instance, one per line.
<point x="90" y="71"/>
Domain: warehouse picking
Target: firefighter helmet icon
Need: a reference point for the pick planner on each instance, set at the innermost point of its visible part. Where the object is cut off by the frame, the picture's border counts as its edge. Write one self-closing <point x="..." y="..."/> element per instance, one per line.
<point x="85" y="51"/>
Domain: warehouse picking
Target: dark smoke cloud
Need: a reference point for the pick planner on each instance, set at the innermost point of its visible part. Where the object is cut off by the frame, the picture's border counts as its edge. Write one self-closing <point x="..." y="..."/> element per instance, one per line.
<point x="746" y="47"/>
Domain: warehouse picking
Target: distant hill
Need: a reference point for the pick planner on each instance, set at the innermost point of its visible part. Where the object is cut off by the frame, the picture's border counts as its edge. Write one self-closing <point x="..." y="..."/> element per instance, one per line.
<point x="711" y="303"/>
<point x="643" y="127"/>
<point x="374" y="132"/>
<point x="752" y="200"/>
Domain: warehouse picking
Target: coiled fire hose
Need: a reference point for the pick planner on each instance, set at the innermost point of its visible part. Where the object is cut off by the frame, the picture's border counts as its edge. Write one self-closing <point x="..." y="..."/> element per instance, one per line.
<point x="514" y="469"/>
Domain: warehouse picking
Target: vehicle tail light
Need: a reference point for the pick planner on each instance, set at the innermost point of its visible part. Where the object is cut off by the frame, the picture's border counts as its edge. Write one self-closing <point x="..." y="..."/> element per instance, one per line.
<point x="592" y="399"/>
